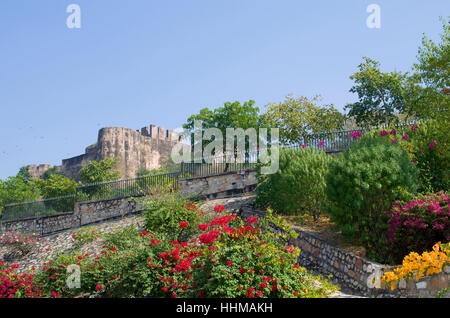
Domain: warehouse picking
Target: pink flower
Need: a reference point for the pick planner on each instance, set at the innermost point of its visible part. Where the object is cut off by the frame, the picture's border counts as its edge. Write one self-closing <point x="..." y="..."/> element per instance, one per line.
<point x="405" y="137"/>
<point x="414" y="127"/>
<point x="394" y="141"/>
<point x="383" y="133"/>
<point x="321" y="144"/>
<point x="393" y="132"/>
<point x="98" y="287"/>
<point x="303" y="146"/>
<point x="432" y="144"/>
<point x="355" y="134"/>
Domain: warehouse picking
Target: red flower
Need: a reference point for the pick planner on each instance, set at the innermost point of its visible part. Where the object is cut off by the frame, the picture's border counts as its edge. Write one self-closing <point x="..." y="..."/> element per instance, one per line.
<point x="203" y="227"/>
<point x="74" y="236"/>
<point x="219" y="208"/>
<point x="98" y="287"/>
<point x="229" y="263"/>
<point x="242" y="270"/>
<point x="259" y="293"/>
<point x="184" y="224"/>
<point x="112" y="248"/>
<point x="263" y="285"/>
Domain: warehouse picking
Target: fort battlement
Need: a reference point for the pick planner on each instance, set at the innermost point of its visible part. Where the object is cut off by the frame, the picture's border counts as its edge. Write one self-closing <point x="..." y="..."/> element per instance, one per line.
<point x="156" y="132"/>
<point x="149" y="148"/>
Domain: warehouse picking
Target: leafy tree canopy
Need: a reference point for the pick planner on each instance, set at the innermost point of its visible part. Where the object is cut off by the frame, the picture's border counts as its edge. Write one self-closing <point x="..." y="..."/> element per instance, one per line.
<point x="380" y="95"/>
<point x="56" y="185"/>
<point x="297" y="117"/>
<point x="99" y="171"/>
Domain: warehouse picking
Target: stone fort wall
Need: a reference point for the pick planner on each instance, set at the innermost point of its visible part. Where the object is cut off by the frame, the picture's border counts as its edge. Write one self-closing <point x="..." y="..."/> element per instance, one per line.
<point x="149" y="147"/>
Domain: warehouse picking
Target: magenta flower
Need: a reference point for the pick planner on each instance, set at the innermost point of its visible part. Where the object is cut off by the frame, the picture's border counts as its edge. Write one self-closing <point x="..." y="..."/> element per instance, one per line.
<point x="394" y="141"/>
<point x="383" y="133"/>
<point x="405" y="137"/>
<point x="393" y="132"/>
<point x="355" y="134"/>
<point x="303" y="146"/>
<point x="432" y="144"/>
<point x="321" y="144"/>
<point x="414" y="127"/>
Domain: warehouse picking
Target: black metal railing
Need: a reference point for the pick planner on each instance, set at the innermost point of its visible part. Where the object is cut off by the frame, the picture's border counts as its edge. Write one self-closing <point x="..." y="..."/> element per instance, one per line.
<point x="128" y="187"/>
<point x="22" y="210"/>
<point x="220" y="164"/>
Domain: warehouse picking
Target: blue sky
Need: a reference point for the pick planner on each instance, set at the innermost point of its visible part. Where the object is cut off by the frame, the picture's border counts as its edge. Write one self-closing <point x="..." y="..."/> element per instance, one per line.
<point x="134" y="63"/>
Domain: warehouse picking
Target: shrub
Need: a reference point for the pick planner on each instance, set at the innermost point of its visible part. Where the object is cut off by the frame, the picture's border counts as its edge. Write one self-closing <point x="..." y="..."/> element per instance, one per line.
<point x="171" y="215"/>
<point x="362" y="183"/>
<point x="16" y="285"/>
<point x="428" y="146"/>
<point x="418" y="224"/>
<point x="229" y="258"/>
<point x="18" y="242"/>
<point x="299" y="184"/>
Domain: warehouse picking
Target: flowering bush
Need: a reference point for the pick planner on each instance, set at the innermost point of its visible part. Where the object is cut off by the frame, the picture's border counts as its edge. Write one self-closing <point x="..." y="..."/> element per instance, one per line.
<point x="228" y="258"/>
<point x="415" y="266"/>
<point x="428" y="146"/>
<point x="299" y="184"/>
<point x="361" y="183"/>
<point x="418" y="224"/>
<point x="172" y="215"/>
<point x="17" y="242"/>
<point x="14" y="285"/>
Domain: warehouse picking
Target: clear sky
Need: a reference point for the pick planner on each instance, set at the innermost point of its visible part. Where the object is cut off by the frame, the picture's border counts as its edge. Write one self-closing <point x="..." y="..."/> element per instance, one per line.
<point x="139" y="62"/>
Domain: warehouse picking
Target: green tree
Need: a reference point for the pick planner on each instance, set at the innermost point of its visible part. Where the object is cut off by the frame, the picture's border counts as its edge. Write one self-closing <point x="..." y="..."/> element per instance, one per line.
<point x="23" y="171"/>
<point x="99" y="171"/>
<point x="56" y="185"/>
<point x="429" y="85"/>
<point x="231" y="115"/>
<point x="298" y="117"/>
<point x="17" y="189"/>
<point x="51" y="171"/>
<point x="381" y="95"/>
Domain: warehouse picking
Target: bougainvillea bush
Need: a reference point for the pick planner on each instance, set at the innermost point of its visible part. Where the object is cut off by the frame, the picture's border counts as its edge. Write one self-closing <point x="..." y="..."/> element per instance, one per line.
<point x="417" y="225"/>
<point x="228" y="257"/>
<point x="428" y="146"/>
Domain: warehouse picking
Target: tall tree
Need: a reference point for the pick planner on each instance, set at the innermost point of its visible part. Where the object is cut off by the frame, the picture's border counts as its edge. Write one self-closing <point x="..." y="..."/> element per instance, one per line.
<point x="298" y="117"/>
<point x="381" y="95"/>
<point x="429" y="85"/>
<point x="231" y="115"/>
<point x="99" y="171"/>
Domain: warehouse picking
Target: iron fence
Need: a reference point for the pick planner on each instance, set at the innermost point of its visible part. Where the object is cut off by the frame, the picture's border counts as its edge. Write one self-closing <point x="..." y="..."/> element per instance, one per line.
<point x="22" y="210"/>
<point x="127" y="187"/>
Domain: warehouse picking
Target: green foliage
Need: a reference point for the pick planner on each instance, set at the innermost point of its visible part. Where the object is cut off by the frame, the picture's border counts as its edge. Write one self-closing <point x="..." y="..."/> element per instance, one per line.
<point x="297" y="117"/>
<point x="17" y="189"/>
<point x="23" y="172"/>
<point x="85" y="235"/>
<point x="123" y="238"/>
<point x="362" y="183"/>
<point x="56" y="185"/>
<point x="99" y="171"/>
<point x="51" y="171"/>
<point x="428" y="89"/>
<point x="298" y="186"/>
<point x="428" y="146"/>
<point x="380" y="95"/>
<point x="231" y="115"/>
<point x="163" y="215"/>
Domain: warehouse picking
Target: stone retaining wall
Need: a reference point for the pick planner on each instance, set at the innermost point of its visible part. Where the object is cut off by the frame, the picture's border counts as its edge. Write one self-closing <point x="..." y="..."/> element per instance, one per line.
<point x="84" y="213"/>
<point x="357" y="273"/>
<point x="219" y="185"/>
